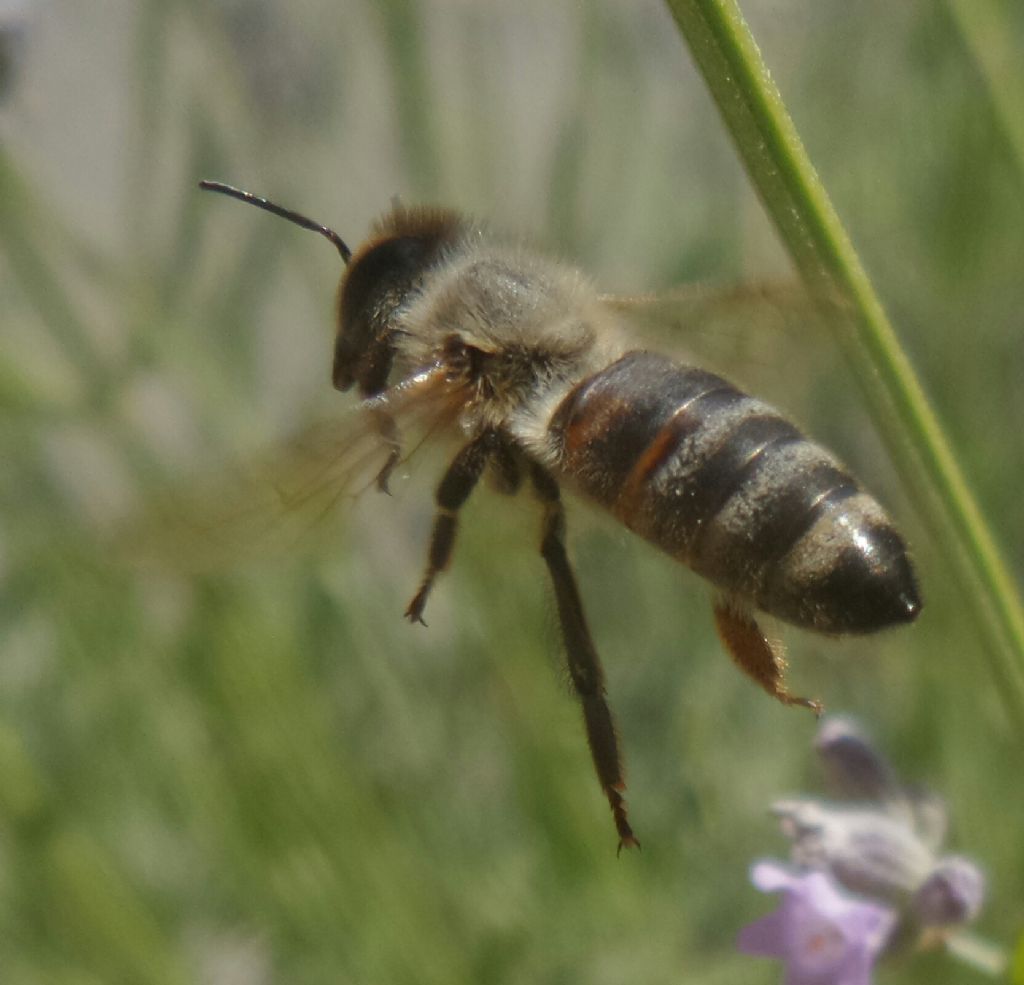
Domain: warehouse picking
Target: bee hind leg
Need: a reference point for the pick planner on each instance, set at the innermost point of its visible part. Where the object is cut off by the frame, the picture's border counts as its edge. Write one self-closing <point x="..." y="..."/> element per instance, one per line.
<point x="752" y="651"/>
<point x="452" y="492"/>
<point x="584" y="664"/>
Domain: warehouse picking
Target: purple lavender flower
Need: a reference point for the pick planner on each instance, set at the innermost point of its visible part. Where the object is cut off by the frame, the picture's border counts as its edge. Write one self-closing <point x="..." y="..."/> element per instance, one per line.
<point x="881" y="838"/>
<point x="867" y="873"/>
<point x="866" y="850"/>
<point x="824" y="936"/>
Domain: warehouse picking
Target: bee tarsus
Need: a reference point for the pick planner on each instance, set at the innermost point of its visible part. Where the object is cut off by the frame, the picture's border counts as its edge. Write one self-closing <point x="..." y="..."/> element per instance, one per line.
<point x="388" y="431"/>
<point x="454" y="489"/>
<point x="584" y="664"/>
<point x="761" y="660"/>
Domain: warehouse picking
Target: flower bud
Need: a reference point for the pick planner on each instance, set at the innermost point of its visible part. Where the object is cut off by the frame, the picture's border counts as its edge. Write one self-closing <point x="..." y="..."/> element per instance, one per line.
<point x="951" y="895"/>
<point x="867" y="851"/>
<point x="854" y="768"/>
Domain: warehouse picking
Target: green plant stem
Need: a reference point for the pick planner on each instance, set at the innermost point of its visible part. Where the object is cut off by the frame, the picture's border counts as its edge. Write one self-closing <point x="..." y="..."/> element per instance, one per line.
<point x="728" y="57"/>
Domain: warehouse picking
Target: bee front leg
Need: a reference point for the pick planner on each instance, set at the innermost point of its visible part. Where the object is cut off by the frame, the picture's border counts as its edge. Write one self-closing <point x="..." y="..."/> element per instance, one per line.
<point x="584" y="664"/>
<point x="388" y="431"/>
<point x="452" y="492"/>
<point x="760" y="659"/>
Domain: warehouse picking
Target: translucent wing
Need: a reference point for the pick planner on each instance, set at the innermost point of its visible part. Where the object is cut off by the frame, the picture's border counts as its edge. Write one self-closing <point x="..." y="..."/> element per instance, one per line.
<point x="272" y="503"/>
<point x="762" y="335"/>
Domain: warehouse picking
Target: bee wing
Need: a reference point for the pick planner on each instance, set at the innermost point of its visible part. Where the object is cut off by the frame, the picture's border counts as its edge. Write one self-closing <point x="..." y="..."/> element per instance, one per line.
<point x="271" y="504"/>
<point x="759" y="334"/>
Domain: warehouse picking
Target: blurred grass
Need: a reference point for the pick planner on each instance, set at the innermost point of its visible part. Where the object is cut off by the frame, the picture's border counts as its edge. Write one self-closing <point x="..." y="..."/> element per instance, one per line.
<point x="265" y="775"/>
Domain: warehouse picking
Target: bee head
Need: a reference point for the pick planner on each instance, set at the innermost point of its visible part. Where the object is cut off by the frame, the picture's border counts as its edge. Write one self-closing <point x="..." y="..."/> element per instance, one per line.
<point x="376" y="282"/>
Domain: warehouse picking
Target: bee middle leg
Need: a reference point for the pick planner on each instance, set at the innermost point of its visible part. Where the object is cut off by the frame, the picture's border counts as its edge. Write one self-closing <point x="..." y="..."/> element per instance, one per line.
<point x="452" y="492"/>
<point x="760" y="659"/>
<point x="584" y="664"/>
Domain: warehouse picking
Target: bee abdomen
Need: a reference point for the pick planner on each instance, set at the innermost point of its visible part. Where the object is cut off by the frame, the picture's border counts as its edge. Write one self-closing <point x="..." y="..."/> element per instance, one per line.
<point x="726" y="485"/>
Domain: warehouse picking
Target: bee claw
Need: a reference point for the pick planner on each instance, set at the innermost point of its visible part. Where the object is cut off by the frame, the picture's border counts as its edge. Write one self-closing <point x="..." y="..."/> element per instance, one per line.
<point x="813" y="704"/>
<point x="414" y="611"/>
<point x="628" y="841"/>
<point x="389" y="432"/>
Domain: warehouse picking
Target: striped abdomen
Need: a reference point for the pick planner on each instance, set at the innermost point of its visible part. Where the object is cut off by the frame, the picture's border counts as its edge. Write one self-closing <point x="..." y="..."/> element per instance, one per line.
<point x="724" y="484"/>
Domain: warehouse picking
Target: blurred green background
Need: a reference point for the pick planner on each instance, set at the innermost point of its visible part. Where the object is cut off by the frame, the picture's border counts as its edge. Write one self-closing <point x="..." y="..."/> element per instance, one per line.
<point x="263" y="774"/>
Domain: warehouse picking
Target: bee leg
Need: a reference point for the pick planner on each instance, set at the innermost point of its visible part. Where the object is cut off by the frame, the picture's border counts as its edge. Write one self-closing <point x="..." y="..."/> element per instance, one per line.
<point x="755" y="654"/>
<point x="506" y="469"/>
<point x="388" y="431"/>
<point x="452" y="492"/>
<point x="584" y="665"/>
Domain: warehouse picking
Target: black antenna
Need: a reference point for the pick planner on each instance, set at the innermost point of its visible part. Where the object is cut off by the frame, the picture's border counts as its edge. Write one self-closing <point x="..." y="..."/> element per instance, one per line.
<point x="262" y="203"/>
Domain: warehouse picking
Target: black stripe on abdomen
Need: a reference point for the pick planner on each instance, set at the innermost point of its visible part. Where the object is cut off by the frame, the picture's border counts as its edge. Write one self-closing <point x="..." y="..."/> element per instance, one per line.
<point x="604" y="426"/>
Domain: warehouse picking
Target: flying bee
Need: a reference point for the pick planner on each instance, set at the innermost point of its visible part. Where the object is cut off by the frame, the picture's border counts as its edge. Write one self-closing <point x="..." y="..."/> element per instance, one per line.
<point x="520" y="359"/>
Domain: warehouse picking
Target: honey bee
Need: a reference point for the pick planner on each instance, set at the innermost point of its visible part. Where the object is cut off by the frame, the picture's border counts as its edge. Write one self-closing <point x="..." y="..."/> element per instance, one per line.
<point x="532" y="370"/>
